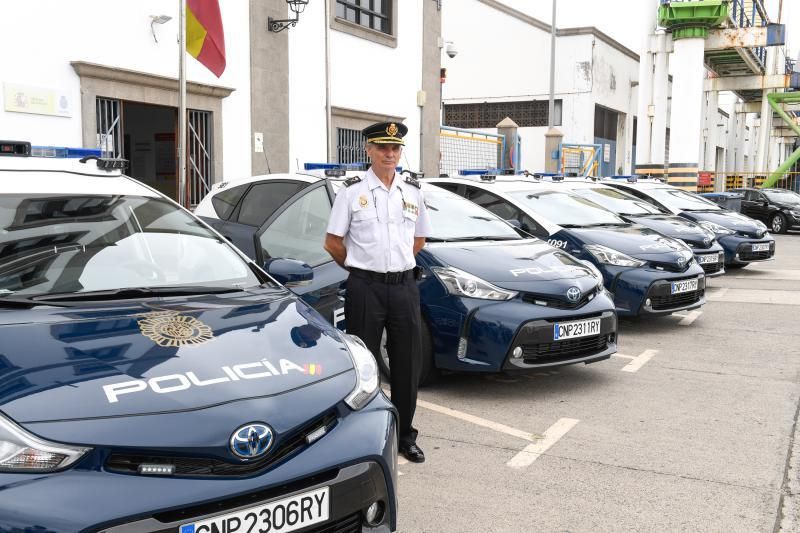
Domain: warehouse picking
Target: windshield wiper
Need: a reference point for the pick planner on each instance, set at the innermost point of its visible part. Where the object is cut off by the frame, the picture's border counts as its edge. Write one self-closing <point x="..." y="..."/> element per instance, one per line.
<point x="133" y="292"/>
<point x="435" y="239"/>
<point x="9" y="302"/>
<point x="488" y="238"/>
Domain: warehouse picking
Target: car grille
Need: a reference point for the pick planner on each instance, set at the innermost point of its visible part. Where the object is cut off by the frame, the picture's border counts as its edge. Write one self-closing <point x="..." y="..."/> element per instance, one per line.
<point x="558" y="303"/>
<point x="188" y="466"/>
<point x="669" y="267"/>
<point x="660" y="303"/>
<point x="350" y="524"/>
<point x="564" y="350"/>
<point x="755" y="256"/>
<point x="712" y="268"/>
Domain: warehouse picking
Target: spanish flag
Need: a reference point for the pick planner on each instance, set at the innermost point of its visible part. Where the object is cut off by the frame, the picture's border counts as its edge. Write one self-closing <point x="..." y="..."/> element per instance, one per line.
<point x="205" y="40"/>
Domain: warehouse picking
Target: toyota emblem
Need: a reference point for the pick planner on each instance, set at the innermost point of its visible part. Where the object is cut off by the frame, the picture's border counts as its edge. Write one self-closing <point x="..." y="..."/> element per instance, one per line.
<point x="251" y="441"/>
<point x="573" y="294"/>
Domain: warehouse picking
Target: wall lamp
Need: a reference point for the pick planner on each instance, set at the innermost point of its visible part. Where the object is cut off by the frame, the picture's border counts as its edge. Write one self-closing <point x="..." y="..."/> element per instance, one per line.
<point x="297" y="7"/>
<point x="158" y="19"/>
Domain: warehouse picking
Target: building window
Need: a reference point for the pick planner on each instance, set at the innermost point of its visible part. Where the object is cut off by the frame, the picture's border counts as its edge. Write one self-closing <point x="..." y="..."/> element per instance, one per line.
<point x="350" y="146"/>
<point x="527" y="114"/>
<point x="373" y="14"/>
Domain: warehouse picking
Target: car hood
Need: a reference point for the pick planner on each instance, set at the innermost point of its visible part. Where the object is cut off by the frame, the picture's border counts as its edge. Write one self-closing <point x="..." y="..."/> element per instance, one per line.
<point x="635" y="241"/>
<point x="78" y="363"/>
<point x="510" y="261"/>
<point x="675" y="227"/>
<point x="728" y="219"/>
<point x="787" y="205"/>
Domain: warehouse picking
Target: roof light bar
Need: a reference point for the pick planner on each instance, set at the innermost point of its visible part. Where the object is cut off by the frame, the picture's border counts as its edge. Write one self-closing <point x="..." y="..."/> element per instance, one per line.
<point x="15" y="149"/>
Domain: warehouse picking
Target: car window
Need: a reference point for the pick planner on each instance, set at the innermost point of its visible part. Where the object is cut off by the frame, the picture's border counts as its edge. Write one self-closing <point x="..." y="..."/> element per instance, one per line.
<point x="566" y="209"/>
<point x="265" y="198"/>
<point x="77" y="243"/>
<point x="453" y="218"/>
<point x="225" y="201"/>
<point x="617" y="201"/>
<point x="751" y="196"/>
<point x="681" y="200"/>
<point x="299" y="232"/>
<point x="493" y="203"/>
<point x="452" y="187"/>
<point x="783" y="197"/>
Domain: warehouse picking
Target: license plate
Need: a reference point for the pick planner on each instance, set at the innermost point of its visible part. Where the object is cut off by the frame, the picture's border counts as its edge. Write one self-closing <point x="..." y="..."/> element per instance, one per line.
<point x="289" y="514"/>
<point x="708" y="258"/>
<point x="573" y="330"/>
<point x="686" y="285"/>
<point x="761" y="247"/>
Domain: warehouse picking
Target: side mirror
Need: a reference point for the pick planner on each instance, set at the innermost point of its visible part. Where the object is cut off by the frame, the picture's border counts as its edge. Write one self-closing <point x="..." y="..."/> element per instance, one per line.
<point x="289" y="272"/>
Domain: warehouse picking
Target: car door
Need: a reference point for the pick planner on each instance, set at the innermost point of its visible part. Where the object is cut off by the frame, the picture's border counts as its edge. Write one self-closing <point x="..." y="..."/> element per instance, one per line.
<point x="750" y="204"/>
<point x="297" y="231"/>
<point x="257" y="204"/>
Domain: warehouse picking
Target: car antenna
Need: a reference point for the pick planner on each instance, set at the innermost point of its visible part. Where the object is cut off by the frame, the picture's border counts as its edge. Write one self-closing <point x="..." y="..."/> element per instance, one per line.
<point x="269" y="170"/>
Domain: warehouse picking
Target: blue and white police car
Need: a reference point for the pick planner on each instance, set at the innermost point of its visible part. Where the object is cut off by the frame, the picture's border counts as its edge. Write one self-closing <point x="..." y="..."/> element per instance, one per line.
<point x="491" y="299"/>
<point x="648" y="273"/>
<point x="152" y="378"/>
<point x="744" y="240"/>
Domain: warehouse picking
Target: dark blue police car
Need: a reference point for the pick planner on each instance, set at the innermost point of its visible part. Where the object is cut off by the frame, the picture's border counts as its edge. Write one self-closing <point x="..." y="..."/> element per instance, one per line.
<point x="707" y="252"/>
<point x="152" y="378"/>
<point x="744" y="240"/>
<point x="647" y="272"/>
<point x="491" y="299"/>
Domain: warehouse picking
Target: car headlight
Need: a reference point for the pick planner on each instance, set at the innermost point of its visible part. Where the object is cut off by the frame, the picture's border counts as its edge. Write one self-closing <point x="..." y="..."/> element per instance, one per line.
<point x="609" y="256"/>
<point x="716" y="228"/>
<point x="367" y="381"/>
<point x="795" y="214"/>
<point x="22" y="452"/>
<point x="460" y="283"/>
<point x="760" y="225"/>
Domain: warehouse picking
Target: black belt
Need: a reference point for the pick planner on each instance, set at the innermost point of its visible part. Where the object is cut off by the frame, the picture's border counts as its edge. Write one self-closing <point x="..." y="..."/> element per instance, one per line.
<point x="391" y="278"/>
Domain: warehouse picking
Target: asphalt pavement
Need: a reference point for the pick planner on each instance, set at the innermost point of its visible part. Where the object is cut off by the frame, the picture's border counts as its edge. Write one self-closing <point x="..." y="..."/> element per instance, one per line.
<point x="693" y="427"/>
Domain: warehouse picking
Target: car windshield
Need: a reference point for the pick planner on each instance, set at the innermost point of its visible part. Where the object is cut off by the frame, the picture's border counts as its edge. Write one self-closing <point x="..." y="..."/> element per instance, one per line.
<point x="455" y="219"/>
<point x="617" y="201"/>
<point x="567" y="209"/>
<point x="75" y="243"/>
<point x="680" y="200"/>
<point x="782" y="197"/>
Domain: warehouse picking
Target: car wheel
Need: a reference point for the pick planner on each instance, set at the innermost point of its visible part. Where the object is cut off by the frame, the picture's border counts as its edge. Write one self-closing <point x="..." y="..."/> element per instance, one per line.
<point x="777" y="223"/>
<point x="427" y="372"/>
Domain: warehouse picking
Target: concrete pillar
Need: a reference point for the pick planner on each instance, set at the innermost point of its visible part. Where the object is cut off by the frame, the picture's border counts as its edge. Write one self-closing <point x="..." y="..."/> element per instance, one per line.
<point x="712" y="115"/>
<point x="552" y="143"/>
<point x="645" y="94"/>
<point x="741" y="142"/>
<point x="730" y="143"/>
<point x="508" y="159"/>
<point x="762" y="147"/>
<point x="686" y="120"/>
<point x="661" y="91"/>
<point x="430" y="111"/>
<point x="701" y="148"/>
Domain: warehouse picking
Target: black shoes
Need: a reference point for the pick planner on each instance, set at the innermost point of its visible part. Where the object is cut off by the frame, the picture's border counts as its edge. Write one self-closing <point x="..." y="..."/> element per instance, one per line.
<point x="413" y="453"/>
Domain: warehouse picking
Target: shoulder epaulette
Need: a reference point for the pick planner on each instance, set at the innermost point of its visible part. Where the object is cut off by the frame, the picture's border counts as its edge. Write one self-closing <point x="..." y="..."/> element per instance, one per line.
<point x="414" y="182"/>
<point x="352" y="181"/>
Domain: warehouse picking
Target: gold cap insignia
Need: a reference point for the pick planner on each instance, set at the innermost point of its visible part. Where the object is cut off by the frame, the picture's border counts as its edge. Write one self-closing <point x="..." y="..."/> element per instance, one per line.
<point x="362" y="201"/>
<point x="170" y="329"/>
<point x="392" y="130"/>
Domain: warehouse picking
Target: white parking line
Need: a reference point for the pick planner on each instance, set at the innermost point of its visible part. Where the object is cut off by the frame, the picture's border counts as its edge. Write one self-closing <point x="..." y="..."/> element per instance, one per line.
<point x="623" y="356"/>
<point x="690" y="317"/>
<point x="639" y="361"/>
<point x="532" y="451"/>
<point x="478" y="421"/>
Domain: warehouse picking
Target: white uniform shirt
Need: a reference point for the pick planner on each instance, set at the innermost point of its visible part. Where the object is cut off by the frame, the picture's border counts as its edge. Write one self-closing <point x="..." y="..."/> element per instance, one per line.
<point x="379" y="224"/>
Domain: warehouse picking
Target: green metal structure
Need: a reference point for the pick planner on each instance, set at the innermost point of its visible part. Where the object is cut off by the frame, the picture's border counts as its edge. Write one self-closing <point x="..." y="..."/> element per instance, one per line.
<point x="687" y="20"/>
<point x="775" y="100"/>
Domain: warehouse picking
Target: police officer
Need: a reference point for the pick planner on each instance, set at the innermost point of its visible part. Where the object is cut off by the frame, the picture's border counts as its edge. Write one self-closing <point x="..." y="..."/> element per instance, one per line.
<point x="378" y="224"/>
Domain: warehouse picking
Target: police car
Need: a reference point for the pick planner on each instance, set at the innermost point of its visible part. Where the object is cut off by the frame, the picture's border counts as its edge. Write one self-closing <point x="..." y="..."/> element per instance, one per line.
<point x="744" y="240"/>
<point x="707" y="252"/>
<point x="647" y="273"/>
<point x="152" y="378"/>
<point x="491" y="299"/>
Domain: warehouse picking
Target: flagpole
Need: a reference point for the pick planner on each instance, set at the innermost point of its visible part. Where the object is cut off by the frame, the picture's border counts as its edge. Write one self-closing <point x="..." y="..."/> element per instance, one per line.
<point x="182" y="106"/>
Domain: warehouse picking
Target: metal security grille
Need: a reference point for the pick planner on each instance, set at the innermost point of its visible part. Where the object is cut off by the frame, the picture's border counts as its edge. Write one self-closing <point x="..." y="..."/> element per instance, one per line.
<point x="469" y="150"/>
<point x="200" y="168"/>
<point x="109" y="127"/>
<point x="350" y="146"/>
<point x="373" y="14"/>
<point x="532" y="113"/>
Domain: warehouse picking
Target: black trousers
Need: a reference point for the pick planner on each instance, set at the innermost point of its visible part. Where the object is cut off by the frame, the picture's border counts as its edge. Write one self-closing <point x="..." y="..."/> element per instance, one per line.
<point x="370" y="306"/>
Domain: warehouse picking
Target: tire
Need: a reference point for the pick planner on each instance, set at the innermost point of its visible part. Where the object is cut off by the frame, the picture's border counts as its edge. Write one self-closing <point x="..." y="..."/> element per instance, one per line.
<point x="427" y="372"/>
<point x="777" y="223"/>
<point x="735" y="266"/>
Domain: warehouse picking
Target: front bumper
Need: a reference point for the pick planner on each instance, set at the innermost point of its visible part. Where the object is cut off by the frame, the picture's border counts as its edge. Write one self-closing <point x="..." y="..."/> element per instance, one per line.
<point x="480" y="338"/>
<point x="634" y="286"/>
<point x="738" y="250"/>
<point x="357" y="459"/>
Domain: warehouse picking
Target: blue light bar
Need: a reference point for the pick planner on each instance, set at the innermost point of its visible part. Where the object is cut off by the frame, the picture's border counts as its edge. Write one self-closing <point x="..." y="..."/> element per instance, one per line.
<point x="64" y="152"/>
<point x="334" y="166"/>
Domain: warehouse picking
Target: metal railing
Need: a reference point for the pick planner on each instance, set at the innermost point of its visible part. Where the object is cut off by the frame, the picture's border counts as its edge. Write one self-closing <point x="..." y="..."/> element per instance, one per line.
<point x="748" y="14"/>
<point x="461" y="149"/>
<point x="736" y="180"/>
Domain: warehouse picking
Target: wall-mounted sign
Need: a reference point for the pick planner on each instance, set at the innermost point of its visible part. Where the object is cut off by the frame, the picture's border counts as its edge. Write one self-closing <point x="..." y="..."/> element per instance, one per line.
<point x="37" y="100"/>
<point x="606" y="153"/>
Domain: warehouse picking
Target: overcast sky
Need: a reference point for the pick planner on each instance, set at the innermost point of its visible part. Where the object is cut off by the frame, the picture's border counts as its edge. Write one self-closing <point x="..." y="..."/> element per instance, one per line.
<point x="627" y="20"/>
